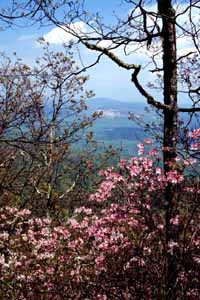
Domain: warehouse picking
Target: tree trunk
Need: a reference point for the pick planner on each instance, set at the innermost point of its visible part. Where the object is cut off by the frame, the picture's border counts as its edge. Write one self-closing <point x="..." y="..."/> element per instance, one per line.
<point x="167" y="13"/>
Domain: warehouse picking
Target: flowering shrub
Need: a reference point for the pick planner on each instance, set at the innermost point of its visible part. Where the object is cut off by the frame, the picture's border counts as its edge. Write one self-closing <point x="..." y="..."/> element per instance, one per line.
<point x="115" y="252"/>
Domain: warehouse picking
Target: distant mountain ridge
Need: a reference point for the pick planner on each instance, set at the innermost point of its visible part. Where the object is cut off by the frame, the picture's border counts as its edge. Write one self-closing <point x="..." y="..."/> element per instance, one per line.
<point x="107" y="104"/>
<point x="114" y="127"/>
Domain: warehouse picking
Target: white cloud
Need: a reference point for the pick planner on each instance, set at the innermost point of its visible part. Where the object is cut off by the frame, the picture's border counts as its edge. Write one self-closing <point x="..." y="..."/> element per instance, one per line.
<point x="60" y="35"/>
<point x="66" y="34"/>
<point x="111" y="113"/>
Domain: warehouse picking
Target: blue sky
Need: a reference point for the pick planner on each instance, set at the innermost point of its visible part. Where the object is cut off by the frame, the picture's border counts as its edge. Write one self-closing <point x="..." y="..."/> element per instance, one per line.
<point x="106" y="79"/>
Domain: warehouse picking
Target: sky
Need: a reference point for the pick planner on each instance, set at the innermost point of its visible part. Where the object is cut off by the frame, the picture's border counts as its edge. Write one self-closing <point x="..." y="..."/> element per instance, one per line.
<point x="106" y="79"/>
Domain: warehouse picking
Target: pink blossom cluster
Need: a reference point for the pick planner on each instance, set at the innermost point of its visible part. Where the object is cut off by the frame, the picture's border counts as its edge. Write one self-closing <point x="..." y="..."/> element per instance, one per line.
<point x="115" y="252"/>
<point x="139" y="174"/>
<point x="195" y="135"/>
<point x="106" y="254"/>
<point x="84" y="256"/>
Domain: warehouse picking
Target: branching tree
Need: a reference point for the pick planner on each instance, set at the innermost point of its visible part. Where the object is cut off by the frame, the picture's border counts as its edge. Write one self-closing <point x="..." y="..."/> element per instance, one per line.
<point x="42" y="117"/>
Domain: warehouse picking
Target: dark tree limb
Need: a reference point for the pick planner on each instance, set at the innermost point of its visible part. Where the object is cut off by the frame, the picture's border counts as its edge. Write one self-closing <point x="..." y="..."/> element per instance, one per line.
<point x="143" y="92"/>
<point x="189" y="109"/>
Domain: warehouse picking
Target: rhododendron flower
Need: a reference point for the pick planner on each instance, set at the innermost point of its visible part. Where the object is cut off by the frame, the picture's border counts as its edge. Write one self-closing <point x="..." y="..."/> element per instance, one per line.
<point x="197" y="260"/>
<point x="140" y="149"/>
<point x="24" y="212"/>
<point x="153" y="152"/>
<point x="148" y="141"/>
<point x="172" y="245"/>
<point x="174" y="177"/>
<point x="195" y="146"/>
<point x="2" y="259"/>
<point x="115" y="250"/>
<point x="189" y="161"/>
<point x="195" y="133"/>
<point x="159" y="171"/>
<point x="83" y="209"/>
<point x="175" y="220"/>
<point x="99" y="260"/>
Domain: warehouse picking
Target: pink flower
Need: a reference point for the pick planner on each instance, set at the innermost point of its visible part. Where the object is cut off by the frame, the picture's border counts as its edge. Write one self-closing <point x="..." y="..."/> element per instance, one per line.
<point x="195" y="146"/>
<point x="195" y="133"/>
<point x="140" y="149"/>
<point x="159" y="171"/>
<point x="153" y="152"/>
<point x="172" y="245"/>
<point x="189" y="161"/>
<point x="148" y="141"/>
<point x="174" y="177"/>
<point x="175" y="220"/>
<point x="99" y="260"/>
